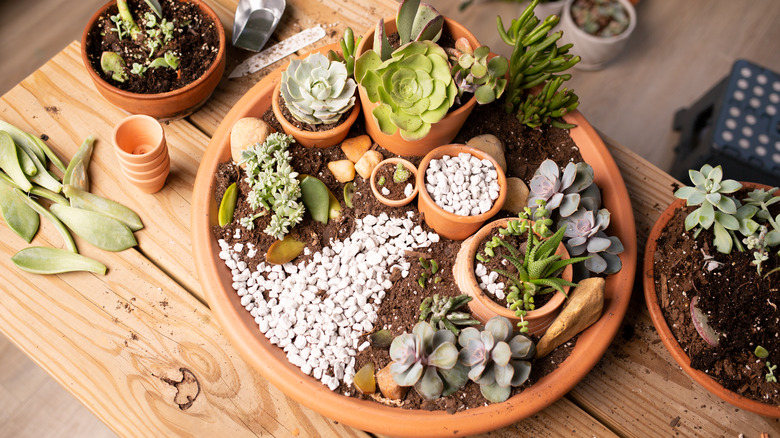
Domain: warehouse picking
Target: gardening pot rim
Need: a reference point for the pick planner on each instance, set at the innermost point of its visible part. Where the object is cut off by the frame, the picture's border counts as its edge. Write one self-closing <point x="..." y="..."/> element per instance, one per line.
<point x="394" y="202"/>
<point x="632" y="20"/>
<point x="665" y="333"/>
<point x="271" y="362"/>
<point x="156" y="96"/>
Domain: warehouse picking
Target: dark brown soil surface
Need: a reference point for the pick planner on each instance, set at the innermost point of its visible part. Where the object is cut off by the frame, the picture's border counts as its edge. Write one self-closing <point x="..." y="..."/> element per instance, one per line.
<point x="396" y="189"/>
<point x="526" y="148"/>
<point x="740" y="305"/>
<point x="195" y="42"/>
<point x="307" y="126"/>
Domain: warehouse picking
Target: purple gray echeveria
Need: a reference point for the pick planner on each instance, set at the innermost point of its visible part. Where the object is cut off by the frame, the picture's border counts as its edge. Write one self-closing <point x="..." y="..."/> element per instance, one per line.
<point x="562" y="192"/>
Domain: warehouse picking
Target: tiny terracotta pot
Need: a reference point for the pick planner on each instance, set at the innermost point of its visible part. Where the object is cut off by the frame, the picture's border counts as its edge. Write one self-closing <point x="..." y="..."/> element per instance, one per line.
<point x="314" y="139"/>
<point x="170" y="105"/>
<point x="667" y="337"/>
<point x="152" y="184"/>
<point x="139" y="140"/>
<point x="450" y="225"/>
<point x="153" y="163"/>
<point x="394" y="202"/>
<point x="442" y="132"/>
<point x="482" y="305"/>
<point x="150" y="173"/>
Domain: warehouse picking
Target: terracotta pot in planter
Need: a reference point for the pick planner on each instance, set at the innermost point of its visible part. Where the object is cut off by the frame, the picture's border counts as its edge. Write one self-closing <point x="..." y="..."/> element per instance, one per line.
<point x="596" y="52"/>
<point x="319" y="139"/>
<point x="482" y="305"/>
<point x="667" y="337"/>
<point x="450" y="225"/>
<point x="394" y="202"/>
<point x="173" y="104"/>
<point x="441" y="132"/>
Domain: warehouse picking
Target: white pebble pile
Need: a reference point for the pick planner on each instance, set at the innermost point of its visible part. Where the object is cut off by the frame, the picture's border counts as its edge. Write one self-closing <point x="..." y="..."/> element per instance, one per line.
<point x="463" y="185"/>
<point x="489" y="281"/>
<point x="320" y="332"/>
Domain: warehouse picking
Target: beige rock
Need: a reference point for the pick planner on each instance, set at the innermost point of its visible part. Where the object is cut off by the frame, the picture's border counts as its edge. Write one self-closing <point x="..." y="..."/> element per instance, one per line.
<point x="355" y="147"/>
<point x="387" y="384"/>
<point x="343" y="170"/>
<point x="582" y="308"/>
<point x="516" y="195"/>
<point x="246" y="132"/>
<point x="366" y="164"/>
<point x="491" y="145"/>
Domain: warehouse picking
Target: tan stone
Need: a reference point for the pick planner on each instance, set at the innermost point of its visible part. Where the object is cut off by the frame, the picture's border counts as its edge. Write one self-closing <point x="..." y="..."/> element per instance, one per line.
<point x="343" y="170"/>
<point x="491" y="145"/>
<point x="355" y="147"/>
<point x="582" y="308"/>
<point x="366" y="164"/>
<point x="516" y="195"/>
<point x="246" y="132"/>
<point x="386" y="383"/>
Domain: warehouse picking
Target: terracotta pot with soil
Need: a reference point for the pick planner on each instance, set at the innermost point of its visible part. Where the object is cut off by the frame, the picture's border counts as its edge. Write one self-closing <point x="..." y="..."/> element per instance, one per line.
<point x="442" y="132"/>
<point x="730" y="370"/>
<point x="388" y="189"/>
<point x="483" y="306"/>
<point x="185" y="67"/>
<point x="446" y="223"/>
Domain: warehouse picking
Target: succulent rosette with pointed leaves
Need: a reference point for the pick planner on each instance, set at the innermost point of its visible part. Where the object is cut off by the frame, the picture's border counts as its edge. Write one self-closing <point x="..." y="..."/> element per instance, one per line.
<point x="427" y="360"/>
<point x="585" y="232"/>
<point x="562" y="192"/>
<point x="498" y="357"/>
<point x="414" y="88"/>
<point x="317" y="90"/>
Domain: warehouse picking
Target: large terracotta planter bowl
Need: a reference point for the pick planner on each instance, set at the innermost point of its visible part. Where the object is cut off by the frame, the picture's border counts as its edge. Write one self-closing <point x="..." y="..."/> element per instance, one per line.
<point x="443" y="131"/>
<point x="665" y="332"/>
<point x="271" y="361"/>
<point x="172" y="104"/>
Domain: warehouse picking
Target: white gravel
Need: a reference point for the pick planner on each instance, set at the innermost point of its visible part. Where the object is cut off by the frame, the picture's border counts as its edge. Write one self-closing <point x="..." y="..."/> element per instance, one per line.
<point x="463" y="185"/>
<point x="488" y="281"/>
<point x="318" y="311"/>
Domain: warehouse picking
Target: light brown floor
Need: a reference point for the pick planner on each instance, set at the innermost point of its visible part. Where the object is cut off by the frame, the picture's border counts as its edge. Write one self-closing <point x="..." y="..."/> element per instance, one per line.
<point x="679" y="50"/>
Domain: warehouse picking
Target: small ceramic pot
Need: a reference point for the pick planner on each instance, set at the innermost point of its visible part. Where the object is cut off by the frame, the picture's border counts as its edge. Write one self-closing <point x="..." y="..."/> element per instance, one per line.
<point x="316" y="139"/>
<point x="142" y="152"/>
<point x="442" y="132"/>
<point x="151" y="173"/>
<point x="394" y="202"/>
<point x="170" y="105"/>
<point x="545" y="9"/>
<point x="482" y="305"/>
<point x="665" y="333"/>
<point x="596" y="52"/>
<point x="450" y="225"/>
<point x="152" y="184"/>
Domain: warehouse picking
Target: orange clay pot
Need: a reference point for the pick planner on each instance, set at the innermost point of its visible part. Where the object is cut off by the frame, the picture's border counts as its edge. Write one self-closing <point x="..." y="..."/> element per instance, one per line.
<point x="151" y="184"/>
<point x="677" y="352"/>
<point x="139" y="142"/>
<point x="442" y="132"/>
<point x="394" y="202"/>
<point x="170" y="105"/>
<point x="448" y="224"/>
<point x="151" y="173"/>
<point x="270" y="361"/>
<point x="314" y="139"/>
<point x="482" y="305"/>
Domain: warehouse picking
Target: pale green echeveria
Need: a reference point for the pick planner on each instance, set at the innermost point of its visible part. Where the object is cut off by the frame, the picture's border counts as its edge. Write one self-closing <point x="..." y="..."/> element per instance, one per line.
<point x="414" y="88"/>
<point x="317" y="90"/>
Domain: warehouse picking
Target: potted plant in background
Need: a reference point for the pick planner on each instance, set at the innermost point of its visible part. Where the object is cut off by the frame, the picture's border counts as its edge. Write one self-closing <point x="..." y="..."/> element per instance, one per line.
<point x="599" y="29"/>
<point x="163" y="59"/>
<point x="712" y="263"/>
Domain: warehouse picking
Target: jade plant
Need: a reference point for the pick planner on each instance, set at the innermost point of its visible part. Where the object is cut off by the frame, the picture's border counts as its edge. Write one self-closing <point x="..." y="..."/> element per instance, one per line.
<point x="428" y="360"/>
<point x="497" y="357"/>
<point x="274" y="186"/>
<point x="317" y="90"/>
<point x="537" y="60"/>
<point x="444" y="314"/>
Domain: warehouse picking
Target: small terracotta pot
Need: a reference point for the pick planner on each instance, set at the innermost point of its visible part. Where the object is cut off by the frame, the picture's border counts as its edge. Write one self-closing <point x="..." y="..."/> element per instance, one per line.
<point x="153" y="163"/>
<point x="139" y="140"/>
<point x="667" y="337"/>
<point x="482" y="306"/>
<point x="170" y="105"/>
<point x="441" y="132"/>
<point x="448" y="224"/>
<point x="317" y="139"/>
<point x="152" y="172"/>
<point x="394" y="202"/>
<point x="596" y="52"/>
<point x="152" y="184"/>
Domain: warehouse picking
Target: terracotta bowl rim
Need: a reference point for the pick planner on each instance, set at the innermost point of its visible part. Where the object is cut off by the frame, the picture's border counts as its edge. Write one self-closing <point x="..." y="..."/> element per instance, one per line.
<point x="382" y="198"/>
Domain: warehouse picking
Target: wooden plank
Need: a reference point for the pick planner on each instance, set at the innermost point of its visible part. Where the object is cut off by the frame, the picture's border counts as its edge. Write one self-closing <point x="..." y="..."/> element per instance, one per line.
<point x="119" y="342"/>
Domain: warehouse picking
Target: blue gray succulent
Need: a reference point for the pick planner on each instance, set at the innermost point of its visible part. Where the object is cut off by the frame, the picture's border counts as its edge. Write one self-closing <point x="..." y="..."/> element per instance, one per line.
<point x="563" y="192"/>
<point x="317" y="90"/>
<point x="585" y="233"/>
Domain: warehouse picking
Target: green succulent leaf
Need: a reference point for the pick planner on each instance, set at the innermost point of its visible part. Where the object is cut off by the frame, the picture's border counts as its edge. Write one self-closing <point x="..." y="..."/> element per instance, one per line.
<point x="495" y="393"/>
<point x="723" y="242"/>
<point x="728" y="221"/>
<point x="430" y="385"/>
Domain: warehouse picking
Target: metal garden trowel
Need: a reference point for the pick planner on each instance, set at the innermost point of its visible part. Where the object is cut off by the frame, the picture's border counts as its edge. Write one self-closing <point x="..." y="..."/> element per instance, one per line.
<point x="255" y="21"/>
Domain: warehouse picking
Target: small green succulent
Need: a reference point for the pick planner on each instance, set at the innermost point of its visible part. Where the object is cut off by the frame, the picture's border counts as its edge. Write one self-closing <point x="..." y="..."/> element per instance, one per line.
<point x="475" y="73"/>
<point x="498" y="358"/>
<point x="316" y="90"/>
<point x="401" y="174"/>
<point x="428" y="360"/>
<point x="348" y="45"/>
<point x="414" y="88"/>
<point x="717" y="210"/>
<point x="443" y="312"/>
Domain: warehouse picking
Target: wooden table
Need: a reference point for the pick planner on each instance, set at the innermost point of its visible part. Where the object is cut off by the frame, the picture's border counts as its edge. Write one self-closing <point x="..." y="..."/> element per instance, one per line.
<point x="121" y="343"/>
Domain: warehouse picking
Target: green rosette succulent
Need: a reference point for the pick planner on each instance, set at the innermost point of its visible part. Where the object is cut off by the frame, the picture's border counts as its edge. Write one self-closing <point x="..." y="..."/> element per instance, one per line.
<point x="316" y="90"/>
<point x="414" y="88"/>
